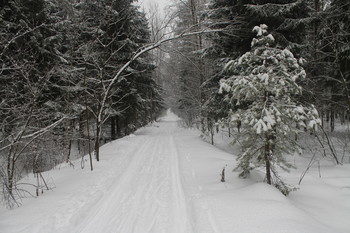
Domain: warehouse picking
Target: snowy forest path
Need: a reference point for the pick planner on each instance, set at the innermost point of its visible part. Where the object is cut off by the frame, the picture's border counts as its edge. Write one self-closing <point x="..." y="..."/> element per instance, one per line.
<point x="149" y="195"/>
<point x="142" y="184"/>
<point x="166" y="179"/>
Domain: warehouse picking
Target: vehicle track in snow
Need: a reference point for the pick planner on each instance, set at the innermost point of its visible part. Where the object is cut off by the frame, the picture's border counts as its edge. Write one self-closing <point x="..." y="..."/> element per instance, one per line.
<point x="148" y="197"/>
<point x="165" y="180"/>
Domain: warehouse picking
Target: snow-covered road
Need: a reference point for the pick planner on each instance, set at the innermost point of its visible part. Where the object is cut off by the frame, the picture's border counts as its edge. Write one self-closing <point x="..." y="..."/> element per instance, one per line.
<point x="148" y="196"/>
<point x="136" y="188"/>
<point x="165" y="179"/>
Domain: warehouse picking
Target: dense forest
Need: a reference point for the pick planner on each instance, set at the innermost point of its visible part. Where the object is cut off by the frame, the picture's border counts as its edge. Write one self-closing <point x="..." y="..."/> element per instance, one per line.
<point x="271" y="70"/>
<point x="59" y="88"/>
<point x="77" y="73"/>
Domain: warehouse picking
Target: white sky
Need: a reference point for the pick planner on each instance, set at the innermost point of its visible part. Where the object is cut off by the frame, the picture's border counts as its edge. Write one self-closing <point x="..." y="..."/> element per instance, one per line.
<point x="161" y="3"/>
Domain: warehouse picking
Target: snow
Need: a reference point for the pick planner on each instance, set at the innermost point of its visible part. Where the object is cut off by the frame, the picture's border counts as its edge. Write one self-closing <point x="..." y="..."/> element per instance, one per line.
<point x="166" y="179"/>
<point x="260" y="125"/>
<point x="260" y="30"/>
<point x="270" y="37"/>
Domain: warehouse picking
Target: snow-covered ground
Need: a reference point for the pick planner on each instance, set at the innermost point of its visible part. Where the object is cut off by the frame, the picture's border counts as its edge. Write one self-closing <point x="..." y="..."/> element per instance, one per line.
<point x="165" y="179"/>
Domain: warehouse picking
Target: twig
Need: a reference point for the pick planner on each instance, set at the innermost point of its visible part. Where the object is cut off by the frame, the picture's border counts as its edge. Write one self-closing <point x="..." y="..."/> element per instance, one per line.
<point x="307" y="168"/>
<point x="331" y="146"/>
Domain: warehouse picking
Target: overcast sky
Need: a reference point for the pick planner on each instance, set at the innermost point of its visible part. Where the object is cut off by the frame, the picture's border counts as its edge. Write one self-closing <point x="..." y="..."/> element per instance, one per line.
<point x="161" y="3"/>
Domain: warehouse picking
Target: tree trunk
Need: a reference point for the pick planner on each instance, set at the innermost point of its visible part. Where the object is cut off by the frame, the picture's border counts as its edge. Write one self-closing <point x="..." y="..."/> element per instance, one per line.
<point x="328" y="116"/>
<point x="117" y="124"/>
<point x="69" y="133"/>
<point x="97" y="140"/>
<point x="88" y="125"/>
<point x="153" y="108"/>
<point x="10" y="172"/>
<point x="89" y="139"/>
<point x="332" y="119"/>
<point x="267" y="161"/>
<point x="69" y="150"/>
<point x="342" y="117"/>
<point x="113" y="126"/>
<point x="126" y="131"/>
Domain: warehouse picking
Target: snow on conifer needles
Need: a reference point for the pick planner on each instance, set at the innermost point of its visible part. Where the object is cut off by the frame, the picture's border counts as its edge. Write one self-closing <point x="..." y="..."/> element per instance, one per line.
<point x="262" y="87"/>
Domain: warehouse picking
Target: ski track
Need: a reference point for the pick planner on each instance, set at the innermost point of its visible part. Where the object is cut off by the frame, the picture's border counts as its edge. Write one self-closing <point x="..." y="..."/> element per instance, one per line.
<point x="148" y="197"/>
<point x="163" y="181"/>
<point x="144" y="193"/>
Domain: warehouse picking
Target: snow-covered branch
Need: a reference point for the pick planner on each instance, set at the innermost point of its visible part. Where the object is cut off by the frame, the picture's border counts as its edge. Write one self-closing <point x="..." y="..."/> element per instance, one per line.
<point x="143" y="51"/>
<point x="35" y="134"/>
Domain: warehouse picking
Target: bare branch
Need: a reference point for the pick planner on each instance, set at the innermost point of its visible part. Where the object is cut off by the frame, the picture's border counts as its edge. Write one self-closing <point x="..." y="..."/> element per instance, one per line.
<point x="143" y="51"/>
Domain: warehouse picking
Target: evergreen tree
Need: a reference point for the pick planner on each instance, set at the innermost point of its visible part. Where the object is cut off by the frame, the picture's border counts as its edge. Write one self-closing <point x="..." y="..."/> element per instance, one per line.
<point x="58" y="58"/>
<point x="109" y="33"/>
<point x="333" y="73"/>
<point x="287" y="20"/>
<point x="28" y="56"/>
<point x="264" y="82"/>
<point x="230" y="16"/>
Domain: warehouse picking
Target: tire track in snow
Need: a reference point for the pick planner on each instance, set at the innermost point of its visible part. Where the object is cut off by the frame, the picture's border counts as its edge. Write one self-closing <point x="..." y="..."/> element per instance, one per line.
<point x="113" y="203"/>
<point x="183" y="222"/>
<point x="75" y="209"/>
<point x="143" y="205"/>
<point x="148" y="197"/>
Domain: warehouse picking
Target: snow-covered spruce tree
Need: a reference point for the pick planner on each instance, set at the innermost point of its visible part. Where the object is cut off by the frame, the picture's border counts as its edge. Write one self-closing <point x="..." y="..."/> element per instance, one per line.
<point x="287" y="20"/>
<point x="261" y="91"/>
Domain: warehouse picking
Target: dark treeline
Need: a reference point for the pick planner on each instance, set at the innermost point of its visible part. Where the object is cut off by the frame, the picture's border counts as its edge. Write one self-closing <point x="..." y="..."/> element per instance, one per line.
<point x="316" y="31"/>
<point x="57" y="60"/>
